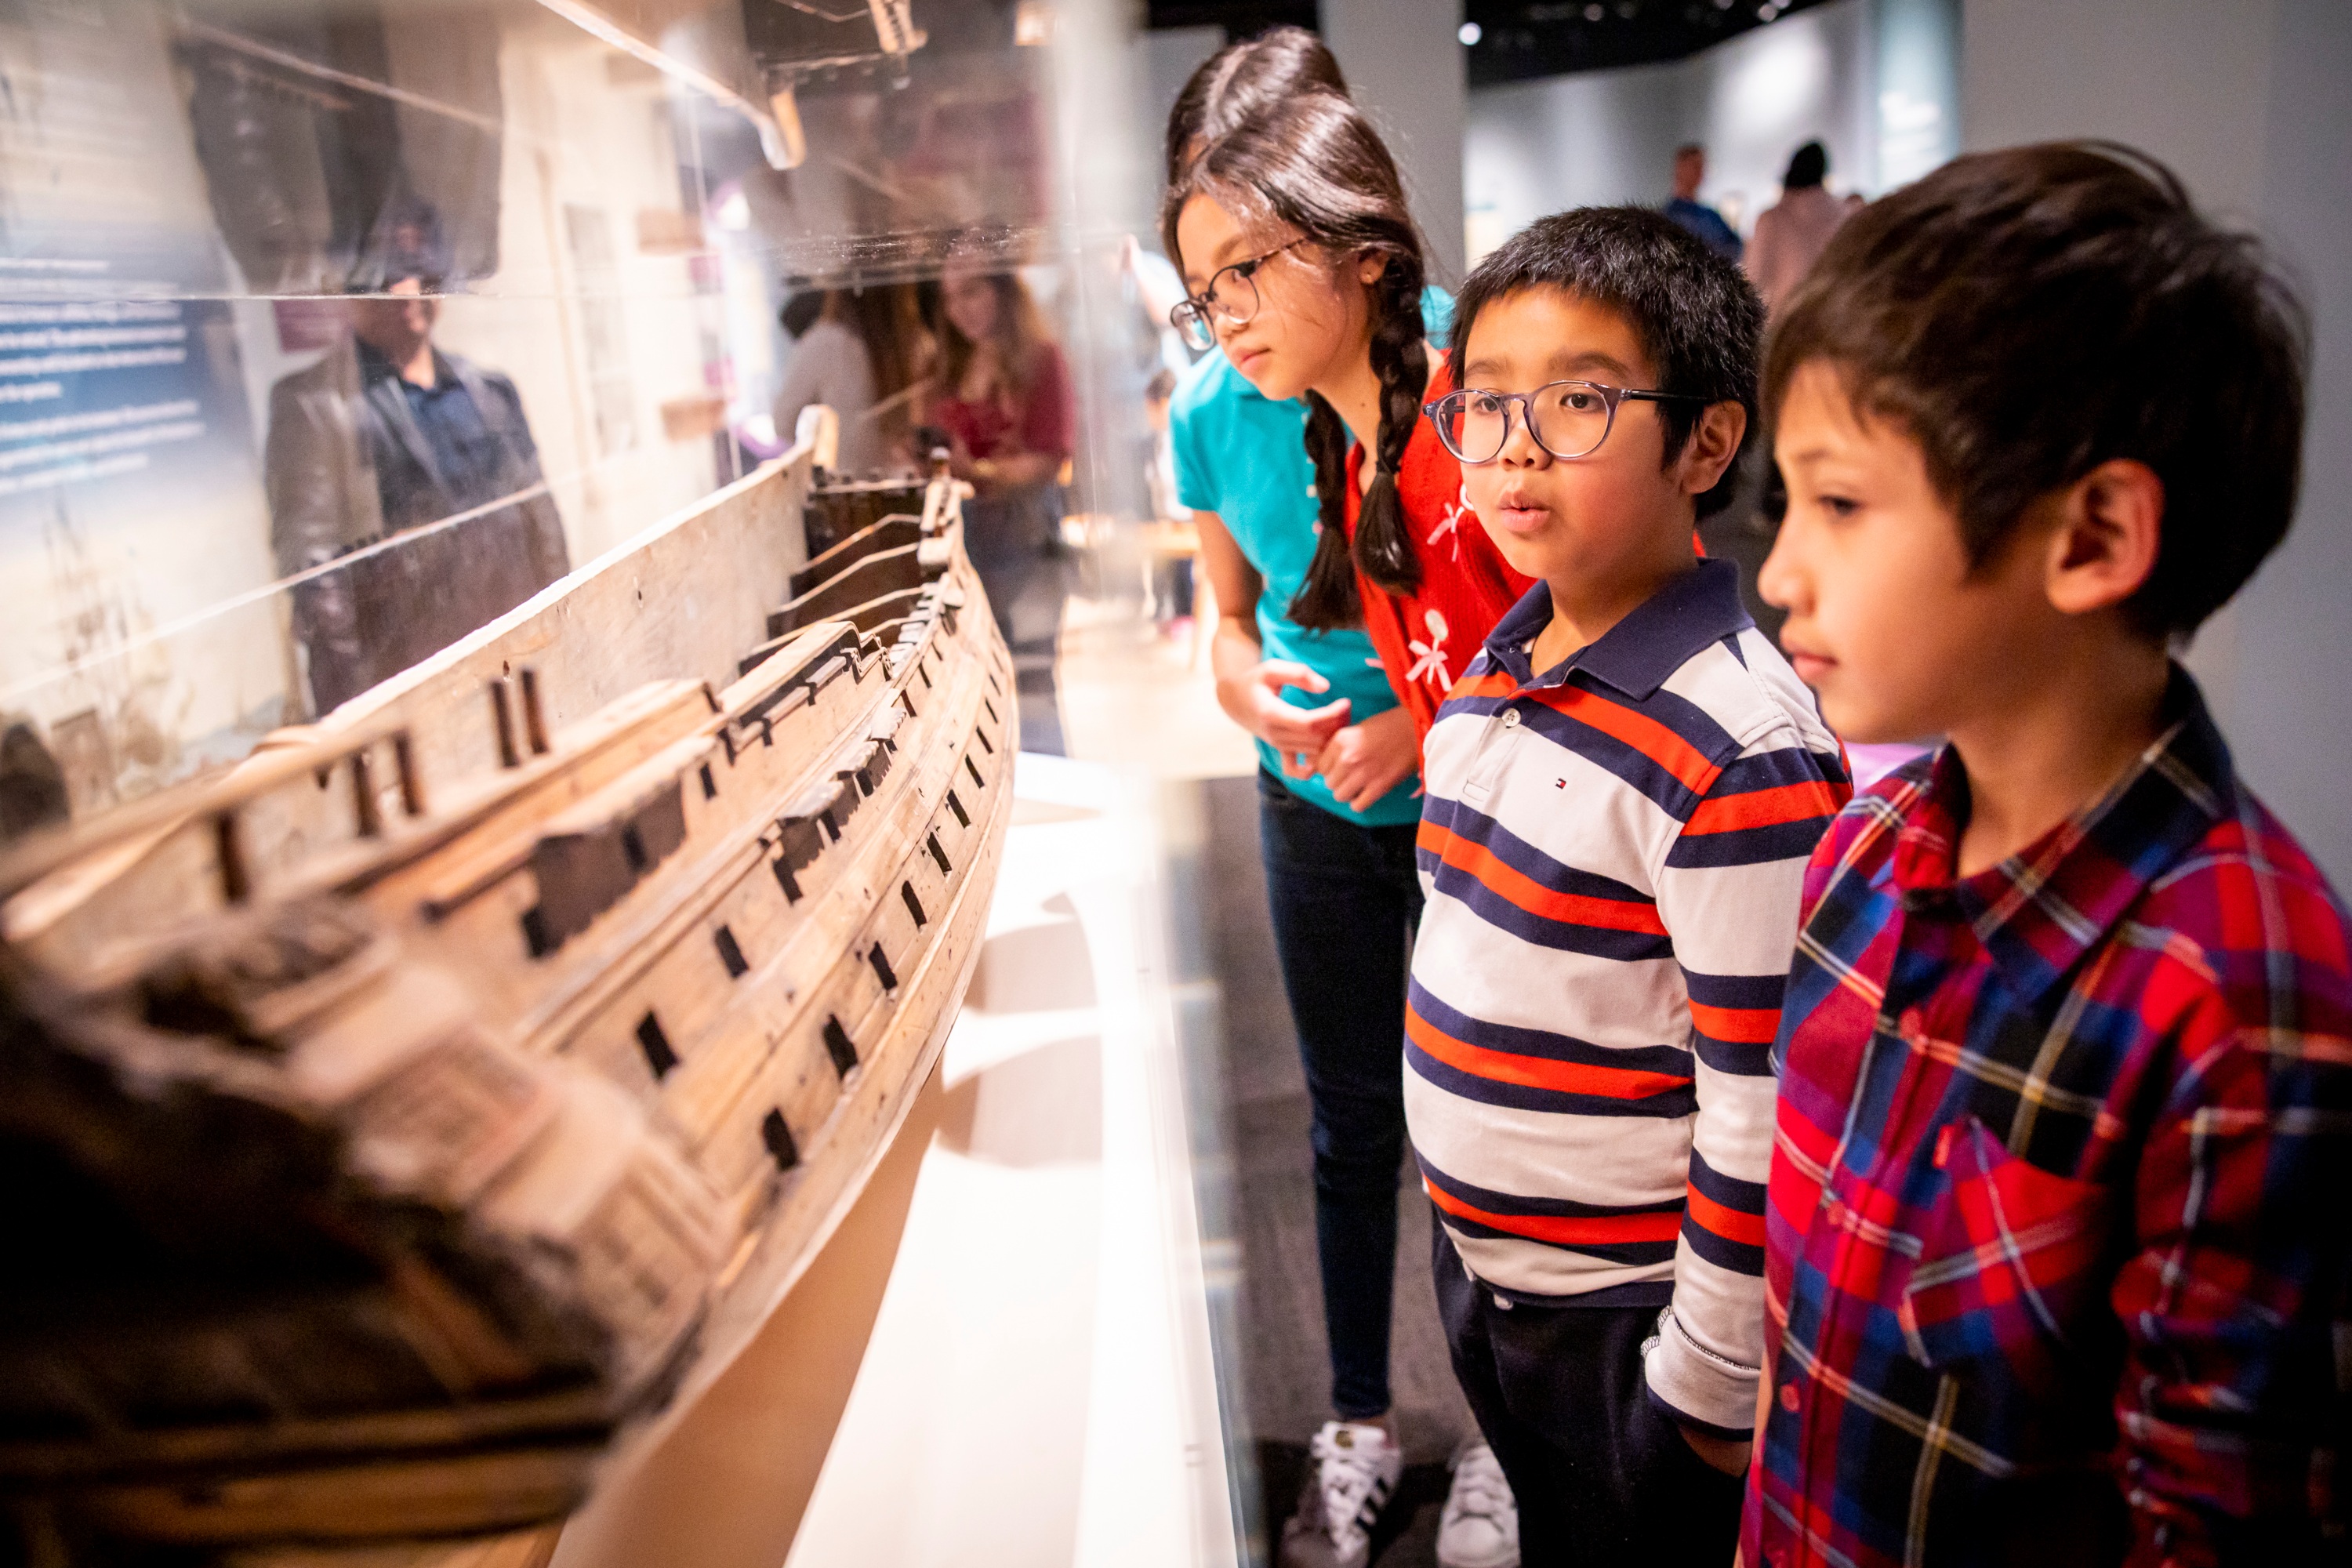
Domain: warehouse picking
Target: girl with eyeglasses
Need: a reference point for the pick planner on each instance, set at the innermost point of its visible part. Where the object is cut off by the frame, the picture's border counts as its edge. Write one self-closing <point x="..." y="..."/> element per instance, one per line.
<point x="1306" y="269"/>
<point x="1289" y="226"/>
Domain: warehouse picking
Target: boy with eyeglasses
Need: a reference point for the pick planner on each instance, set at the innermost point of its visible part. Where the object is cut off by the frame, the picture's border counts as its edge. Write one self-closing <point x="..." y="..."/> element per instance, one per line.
<point x="1622" y="793"/>
<point x="2058" y="1251"/>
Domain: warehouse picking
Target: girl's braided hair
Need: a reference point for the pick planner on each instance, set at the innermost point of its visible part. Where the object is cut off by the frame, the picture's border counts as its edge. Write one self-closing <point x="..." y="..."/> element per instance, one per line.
<point x="1314" y="164"/>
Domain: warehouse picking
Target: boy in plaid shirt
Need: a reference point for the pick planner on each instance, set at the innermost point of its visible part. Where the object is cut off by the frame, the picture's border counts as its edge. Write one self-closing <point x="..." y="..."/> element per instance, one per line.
<point x="2059" y="1223"/>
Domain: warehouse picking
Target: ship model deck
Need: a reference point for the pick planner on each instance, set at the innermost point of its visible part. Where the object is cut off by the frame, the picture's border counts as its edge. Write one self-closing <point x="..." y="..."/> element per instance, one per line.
<point x="401" y="1116"/>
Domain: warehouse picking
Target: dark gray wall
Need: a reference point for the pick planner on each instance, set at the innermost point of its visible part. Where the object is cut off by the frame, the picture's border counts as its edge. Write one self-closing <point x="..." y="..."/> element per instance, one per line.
<point x="2252" y="102"/>
<point x="1597" y="138"/>
<point x="2291" y="705"/>
<point x="1404" y="64"/>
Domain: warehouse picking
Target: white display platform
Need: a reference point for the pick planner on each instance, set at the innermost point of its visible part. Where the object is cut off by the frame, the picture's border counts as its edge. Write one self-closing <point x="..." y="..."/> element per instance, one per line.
<point x="1038" y="1388"/>
<point x="1001" y="1357"/>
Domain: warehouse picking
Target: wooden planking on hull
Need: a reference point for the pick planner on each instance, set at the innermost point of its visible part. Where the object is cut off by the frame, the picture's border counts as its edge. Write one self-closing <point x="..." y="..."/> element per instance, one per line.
<point x="613" y="1006"/>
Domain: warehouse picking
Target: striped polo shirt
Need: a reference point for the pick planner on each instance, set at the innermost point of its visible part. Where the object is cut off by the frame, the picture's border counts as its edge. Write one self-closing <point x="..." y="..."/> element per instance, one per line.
<point x="1612" y="853"/>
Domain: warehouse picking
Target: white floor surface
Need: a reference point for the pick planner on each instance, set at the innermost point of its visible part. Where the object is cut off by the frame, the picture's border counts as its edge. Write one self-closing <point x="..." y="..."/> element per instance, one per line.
<point x="1038" y="1387"/>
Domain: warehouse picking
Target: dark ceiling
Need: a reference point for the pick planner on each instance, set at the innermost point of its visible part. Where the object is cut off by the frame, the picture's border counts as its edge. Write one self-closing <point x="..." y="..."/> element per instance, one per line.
<point x="1239" y="18"/>
<point x="1523" y="38"/>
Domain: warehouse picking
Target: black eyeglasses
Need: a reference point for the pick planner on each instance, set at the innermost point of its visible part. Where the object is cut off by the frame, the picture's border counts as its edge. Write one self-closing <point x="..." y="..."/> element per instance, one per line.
<point x="1569" y="419"/>
<point x="1230" y="296"/>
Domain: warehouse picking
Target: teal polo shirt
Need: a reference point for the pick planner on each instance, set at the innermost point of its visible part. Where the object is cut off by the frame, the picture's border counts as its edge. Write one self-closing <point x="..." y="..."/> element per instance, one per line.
<point x="1243" y="456"/>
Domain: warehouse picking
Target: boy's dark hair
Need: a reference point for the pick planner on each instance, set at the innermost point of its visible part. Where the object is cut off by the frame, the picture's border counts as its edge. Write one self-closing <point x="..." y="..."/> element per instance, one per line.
<point x="1241" y="80"/>
<point x="1696" y="315"/>
<point x="2029" y="314"/>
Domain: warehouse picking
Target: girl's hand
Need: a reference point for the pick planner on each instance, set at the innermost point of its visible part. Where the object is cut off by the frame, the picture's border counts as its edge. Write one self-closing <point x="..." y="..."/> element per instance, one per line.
<point x="1364" y="762"/>
<point x="1253" y="701"/>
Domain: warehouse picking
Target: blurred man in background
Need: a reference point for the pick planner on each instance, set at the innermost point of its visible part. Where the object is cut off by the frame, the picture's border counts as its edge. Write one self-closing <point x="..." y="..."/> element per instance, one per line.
<point x="1684" y="207"/>
<point x="382" y="440"/>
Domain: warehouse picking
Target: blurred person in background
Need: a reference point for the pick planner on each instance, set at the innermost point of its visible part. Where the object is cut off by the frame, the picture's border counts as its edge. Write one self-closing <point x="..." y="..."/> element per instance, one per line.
<point x="1001" y="396"/>
<point x="1684" y="207"/>
<point x="1793" y="232"/>
<point x="387" y="436"/>
<point x="1171" y="573"/>
<point x="1332" y="523"/>
<point x="830" y="364"/>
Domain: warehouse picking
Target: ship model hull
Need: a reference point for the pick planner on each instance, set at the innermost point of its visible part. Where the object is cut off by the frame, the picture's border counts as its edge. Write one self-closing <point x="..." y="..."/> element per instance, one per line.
<point x="406" y="1114"/>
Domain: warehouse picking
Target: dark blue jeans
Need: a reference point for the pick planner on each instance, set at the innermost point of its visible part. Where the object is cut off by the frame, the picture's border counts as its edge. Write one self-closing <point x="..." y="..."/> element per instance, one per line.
<point x="1346" y="901"/>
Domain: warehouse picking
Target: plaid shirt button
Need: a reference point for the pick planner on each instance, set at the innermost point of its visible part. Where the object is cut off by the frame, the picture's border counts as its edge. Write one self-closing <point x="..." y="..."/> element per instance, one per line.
<point x="1789" y="1397"/>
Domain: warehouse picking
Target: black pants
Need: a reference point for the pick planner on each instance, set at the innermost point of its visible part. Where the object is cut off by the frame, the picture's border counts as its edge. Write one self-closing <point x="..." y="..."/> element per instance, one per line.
<point x="1345" y="900"/>
<point x="1601" y="1474"/>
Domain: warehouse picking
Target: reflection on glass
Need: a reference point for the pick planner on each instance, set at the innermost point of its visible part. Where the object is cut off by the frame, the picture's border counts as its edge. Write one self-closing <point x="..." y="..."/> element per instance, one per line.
<point x="1002" y="411"/>
<point x="832" y="365"/>
<point x="331" y="328"/>
<point x="388" y="438"/>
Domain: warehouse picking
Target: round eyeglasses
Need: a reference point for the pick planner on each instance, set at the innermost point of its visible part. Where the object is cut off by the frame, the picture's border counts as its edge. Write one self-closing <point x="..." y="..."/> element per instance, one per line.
<point x="1569" y="419"/>
<point x="1230" y="296"/>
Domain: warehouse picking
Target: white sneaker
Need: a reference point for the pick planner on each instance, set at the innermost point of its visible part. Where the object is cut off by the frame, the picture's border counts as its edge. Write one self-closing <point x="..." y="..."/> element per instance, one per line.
<point x="1356" y="1466"/>
<point x="1480" y="1526"/>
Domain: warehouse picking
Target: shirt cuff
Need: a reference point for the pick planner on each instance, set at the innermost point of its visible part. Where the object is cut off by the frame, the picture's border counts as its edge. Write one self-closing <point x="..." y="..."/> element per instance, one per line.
<point x="1699" y="1388"/>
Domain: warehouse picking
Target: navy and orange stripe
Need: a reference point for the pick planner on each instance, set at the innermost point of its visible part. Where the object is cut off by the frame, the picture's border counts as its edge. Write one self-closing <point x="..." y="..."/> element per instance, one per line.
<point x="1633" y="1237"/>
<point x="1733" y="1020"/>
<point x="1480" y="684"/>
<point x="1723" y="1218"/>
<point x="1774" y="806"/>
<point x="1534" y="1069"/>
<point x="1512" y="885"/>
<point x="1664" y="747"/>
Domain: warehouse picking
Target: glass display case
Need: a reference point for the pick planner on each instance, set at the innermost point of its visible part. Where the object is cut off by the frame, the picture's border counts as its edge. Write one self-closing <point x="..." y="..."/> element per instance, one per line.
<point x="341" y="337"/>
<point x="335" y="328"/>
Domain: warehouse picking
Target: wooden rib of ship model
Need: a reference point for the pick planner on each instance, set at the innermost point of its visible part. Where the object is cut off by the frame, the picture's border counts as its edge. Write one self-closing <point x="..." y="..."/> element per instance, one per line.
<point x="395" y="1118"/>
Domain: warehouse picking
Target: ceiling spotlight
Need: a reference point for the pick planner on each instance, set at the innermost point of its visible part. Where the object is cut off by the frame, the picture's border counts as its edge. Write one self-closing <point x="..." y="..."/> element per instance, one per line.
<point x="1593" y="13"/>
<point x="1469" y="34"/>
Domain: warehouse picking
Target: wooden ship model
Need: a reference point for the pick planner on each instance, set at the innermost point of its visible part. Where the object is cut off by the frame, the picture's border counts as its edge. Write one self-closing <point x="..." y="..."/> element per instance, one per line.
<point x="398" y="1117"/>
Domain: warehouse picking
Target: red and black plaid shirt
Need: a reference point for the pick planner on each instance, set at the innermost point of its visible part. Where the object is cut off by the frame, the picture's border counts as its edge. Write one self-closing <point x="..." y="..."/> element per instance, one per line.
<point x="2059" y="1230"/>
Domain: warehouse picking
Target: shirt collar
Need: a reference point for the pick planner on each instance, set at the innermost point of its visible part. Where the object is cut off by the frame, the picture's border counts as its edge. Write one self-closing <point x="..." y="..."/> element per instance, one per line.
<point x="1640" y="653"/>
<point x="376" y="365"/>
<point x="2041" y="910"/>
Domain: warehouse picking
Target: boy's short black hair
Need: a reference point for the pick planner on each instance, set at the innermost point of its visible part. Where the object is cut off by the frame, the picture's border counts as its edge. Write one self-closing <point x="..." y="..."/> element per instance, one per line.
<point x="2029" y="314"/>
<point x="1696" y="315"/>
